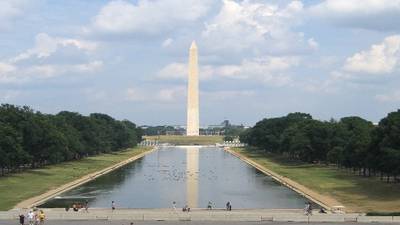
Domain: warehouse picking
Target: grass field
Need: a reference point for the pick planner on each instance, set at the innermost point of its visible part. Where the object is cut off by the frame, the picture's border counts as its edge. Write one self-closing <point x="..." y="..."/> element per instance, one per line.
<point x="20" y="186"/>
<point x="358" y="194"/>
<point x="186" y="140"/>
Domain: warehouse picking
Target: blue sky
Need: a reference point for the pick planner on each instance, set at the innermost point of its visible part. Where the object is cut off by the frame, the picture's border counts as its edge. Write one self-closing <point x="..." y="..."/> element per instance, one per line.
<point x="258" y="58"/>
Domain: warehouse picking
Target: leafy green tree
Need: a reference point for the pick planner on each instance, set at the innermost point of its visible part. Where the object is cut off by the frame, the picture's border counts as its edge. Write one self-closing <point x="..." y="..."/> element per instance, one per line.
<point x="30" y="138"/>
<point x="357" y="142"/>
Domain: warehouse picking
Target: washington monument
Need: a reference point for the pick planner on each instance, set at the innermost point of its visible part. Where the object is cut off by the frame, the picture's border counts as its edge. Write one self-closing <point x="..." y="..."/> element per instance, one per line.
<point x="192" y="126"/>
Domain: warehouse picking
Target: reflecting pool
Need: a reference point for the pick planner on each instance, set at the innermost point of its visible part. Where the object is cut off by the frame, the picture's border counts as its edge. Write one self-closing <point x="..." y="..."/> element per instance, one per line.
<point x="186" y="175"/>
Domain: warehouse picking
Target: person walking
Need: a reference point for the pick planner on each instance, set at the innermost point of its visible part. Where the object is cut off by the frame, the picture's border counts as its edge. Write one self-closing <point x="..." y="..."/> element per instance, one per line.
<point x="113" y="206"/>
<point x="31" y="217"/>
<point x="174" y="205"/>
<point x="22" y="219"/>
<point x="308" y="209"/>
<point x="209" y="206"/>
<point x="87" y="206"/>
<point x="42" y="217"/>
<point x="37" y="219"/>
<point x="228" y="206"/>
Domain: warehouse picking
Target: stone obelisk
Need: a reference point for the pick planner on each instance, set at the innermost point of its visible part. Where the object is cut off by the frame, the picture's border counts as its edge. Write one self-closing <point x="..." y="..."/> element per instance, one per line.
<point x="192" y="126"/>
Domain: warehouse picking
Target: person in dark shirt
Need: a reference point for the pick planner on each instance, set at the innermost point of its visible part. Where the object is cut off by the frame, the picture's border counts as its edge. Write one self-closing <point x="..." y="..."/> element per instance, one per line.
<point x="228" y="206"/>
<point x="21" y="219"/>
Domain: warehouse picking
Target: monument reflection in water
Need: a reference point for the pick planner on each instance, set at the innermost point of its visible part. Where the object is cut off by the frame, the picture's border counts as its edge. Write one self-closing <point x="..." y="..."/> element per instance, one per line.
<point x="192" y="180"/>
<point x="186" y="175"/>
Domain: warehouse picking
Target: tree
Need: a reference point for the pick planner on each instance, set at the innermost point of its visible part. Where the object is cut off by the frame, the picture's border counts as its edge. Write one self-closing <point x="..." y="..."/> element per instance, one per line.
<point x="12" y="154"/>
<point x="30" y="138"/>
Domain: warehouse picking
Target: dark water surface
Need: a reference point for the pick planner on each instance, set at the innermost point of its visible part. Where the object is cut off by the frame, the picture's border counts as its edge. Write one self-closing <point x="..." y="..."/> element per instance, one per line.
<point x="187" y="175"/>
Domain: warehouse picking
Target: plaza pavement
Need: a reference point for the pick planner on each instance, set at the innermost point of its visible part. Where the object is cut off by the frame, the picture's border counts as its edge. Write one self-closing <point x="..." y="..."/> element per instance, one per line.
<point x="122" y="222"/>
<point x="57" y="216"/>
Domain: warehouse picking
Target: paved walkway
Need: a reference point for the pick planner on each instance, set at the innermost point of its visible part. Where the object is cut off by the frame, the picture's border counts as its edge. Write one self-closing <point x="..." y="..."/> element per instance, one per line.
<point x="245" y="215"/>
<point x="125" y="222"/>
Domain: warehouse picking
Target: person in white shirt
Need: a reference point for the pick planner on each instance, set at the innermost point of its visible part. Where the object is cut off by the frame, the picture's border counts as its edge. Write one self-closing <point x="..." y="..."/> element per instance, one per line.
<point x="31" y="217"/>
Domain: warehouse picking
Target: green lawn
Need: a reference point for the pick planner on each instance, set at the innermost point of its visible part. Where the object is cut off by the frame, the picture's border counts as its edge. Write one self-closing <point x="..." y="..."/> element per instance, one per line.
<point x="20" y="186"/>
<point x="358" y="194"/>
<point x="186" y="140"/>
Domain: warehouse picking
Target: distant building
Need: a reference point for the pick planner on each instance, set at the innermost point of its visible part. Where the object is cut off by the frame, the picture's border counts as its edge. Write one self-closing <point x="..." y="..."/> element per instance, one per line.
<point x="225" y="127"/>
<point x="225" y="123"/>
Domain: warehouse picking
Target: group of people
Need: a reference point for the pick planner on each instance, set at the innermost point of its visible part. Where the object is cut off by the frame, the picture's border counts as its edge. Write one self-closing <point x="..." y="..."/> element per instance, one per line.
<point x="308" y="209"/>
<point x="77" y="206"/>
<point x="35" y="217"/>
<point x="228" y="206"/>
<point x="186" y="208"/>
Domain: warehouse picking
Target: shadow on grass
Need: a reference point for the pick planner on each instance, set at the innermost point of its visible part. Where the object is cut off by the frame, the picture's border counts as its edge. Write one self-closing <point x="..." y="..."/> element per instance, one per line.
<point x="281" y="160"/>
<point x="39" y="172"/>
<point x="371" y="189"/>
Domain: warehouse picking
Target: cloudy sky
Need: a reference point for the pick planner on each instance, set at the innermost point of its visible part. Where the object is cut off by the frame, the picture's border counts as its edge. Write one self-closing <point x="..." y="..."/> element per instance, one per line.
<point x="258" y="58"/>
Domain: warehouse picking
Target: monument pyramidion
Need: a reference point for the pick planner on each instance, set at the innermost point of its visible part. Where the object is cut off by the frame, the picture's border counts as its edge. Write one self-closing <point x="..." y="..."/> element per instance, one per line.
<point x="192" y="126"/>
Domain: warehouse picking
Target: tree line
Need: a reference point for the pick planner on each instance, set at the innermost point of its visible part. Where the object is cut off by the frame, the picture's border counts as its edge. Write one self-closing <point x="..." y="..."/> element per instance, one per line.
<point x="31" y="139"/>
<point x="352" y="142"/>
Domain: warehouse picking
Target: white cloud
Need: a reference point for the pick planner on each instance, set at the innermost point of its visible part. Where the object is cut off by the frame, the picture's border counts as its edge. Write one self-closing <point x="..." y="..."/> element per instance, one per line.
<point x="312" y="43"/>
<point x="330" y="85"/>
<point x="46" y="45"/>
<point x="6" y="68"/>
<point x="228" y="94"/>
<point x="170" y="94"/>
<point x="88" y="67"/>
<point x="167" y="42"/>
<point x="368" y="14"/>
<point x="46" y="71"/>
<point x="390" y="97"/>
<point x="362" y="69"/>
<point x="134" y="94"/>
<point x="37" y="62"/>
<point x="6" y="71"/>
<point x="80" y="44"/>
<point x="53" y="70"/>
<point x="7" y="95"/>
<point x="178" y="94"/>
<point x="173" y="71"/>
<point x="93" y="94"/>
<point x="266" y="69"/>
<point x="379" y="59"/>
<point x="41" y="71"/>
<point x="270" y="70"/>
<point x="257" y="27"/>
<point x="180" y="71"/>
<point x="146" y="16"/>
<point x="366" y="69"/>
<point x="11" y="9"/>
